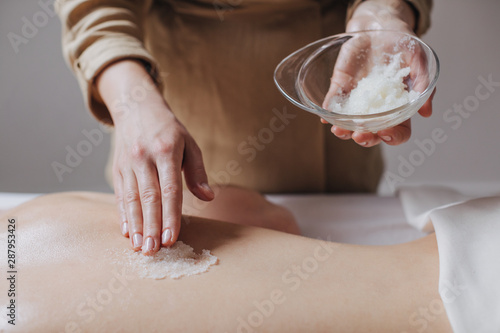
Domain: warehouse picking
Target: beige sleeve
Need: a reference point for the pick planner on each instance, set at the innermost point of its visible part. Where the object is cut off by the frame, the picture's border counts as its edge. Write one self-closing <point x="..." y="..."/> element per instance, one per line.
<point x="422" y="8"/>
<point x="97" y="33"/>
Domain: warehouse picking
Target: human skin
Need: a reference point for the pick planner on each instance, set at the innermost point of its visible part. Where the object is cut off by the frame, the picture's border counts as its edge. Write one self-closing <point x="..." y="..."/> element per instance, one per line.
<point x="153" y="148"/>
<point x="64" y="253"/>
<point x="394" y="15"/>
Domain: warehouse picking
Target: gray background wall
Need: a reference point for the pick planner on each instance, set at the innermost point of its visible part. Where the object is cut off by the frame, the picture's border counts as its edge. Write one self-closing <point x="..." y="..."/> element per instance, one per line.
<point x="42" y="112"/>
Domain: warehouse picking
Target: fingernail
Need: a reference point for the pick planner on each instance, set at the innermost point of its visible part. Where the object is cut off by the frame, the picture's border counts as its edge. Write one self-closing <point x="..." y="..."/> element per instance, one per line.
<point x="149" y="245"/>
<point x="137" y="240"/>
<point x="363" y="143"/>
<point x="166" y="236"/>
<point x="207" y="187"/>
<point x="386" y="138"/>
<point x="124" y="228"/>
<point x="342" y="136"/>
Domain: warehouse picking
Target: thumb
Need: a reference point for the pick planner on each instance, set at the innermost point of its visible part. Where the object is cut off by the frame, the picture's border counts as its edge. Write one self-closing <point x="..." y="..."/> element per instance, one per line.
<point x="194" y="172"/>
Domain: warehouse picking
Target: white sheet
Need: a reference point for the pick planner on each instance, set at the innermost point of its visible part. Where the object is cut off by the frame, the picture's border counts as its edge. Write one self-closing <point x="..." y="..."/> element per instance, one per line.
<point x="419" y="202"/>
<point x="468" y="237"/>
<point x="355" y="219"/>
<point x="10" y="200"/>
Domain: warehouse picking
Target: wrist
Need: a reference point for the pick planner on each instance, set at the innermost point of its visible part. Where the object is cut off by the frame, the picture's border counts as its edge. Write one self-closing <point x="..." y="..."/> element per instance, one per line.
<point x="383" y="14"/>
<point x="125" y="86"/>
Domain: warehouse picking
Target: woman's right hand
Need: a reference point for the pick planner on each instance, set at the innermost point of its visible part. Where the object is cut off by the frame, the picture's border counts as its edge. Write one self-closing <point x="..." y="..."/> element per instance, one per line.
<point x="152" y="148"/>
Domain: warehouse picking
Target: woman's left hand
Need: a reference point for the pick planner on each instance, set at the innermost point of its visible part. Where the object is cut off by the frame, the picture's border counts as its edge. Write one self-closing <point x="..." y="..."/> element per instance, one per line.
<point x="376" y="15"/>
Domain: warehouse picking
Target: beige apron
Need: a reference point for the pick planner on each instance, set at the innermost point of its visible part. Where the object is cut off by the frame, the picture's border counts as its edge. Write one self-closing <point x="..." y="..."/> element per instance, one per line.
<point x="216" y="59"/>
<point x="217" y="65"/>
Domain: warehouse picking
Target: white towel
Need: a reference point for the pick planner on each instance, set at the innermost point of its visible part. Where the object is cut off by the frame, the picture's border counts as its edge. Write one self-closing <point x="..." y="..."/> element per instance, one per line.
<point x="468" y="237"/>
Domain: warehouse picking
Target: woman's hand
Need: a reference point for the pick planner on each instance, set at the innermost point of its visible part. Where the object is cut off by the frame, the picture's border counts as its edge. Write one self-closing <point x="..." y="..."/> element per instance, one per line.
<point x="152" y="148"/>
<point x="374" y="15"/>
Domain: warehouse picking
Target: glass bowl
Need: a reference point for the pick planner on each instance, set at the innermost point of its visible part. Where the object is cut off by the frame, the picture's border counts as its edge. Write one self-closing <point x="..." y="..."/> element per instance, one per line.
<point x="304" y="77"/>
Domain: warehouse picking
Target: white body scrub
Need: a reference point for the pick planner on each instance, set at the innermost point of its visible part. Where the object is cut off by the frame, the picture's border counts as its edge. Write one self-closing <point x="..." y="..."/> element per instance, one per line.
<point x="381" y="90"/>
<point x="174" y="262"/>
